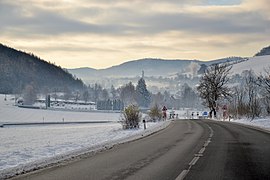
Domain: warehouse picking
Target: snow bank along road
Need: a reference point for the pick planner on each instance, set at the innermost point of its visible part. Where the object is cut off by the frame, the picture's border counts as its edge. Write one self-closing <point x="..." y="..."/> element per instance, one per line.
<point x="185" y="150"/>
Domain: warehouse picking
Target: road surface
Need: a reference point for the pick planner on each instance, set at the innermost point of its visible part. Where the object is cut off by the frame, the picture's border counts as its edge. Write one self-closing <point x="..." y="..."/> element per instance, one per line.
<point x="189" y="149"/>
<point x="236" y="152"/>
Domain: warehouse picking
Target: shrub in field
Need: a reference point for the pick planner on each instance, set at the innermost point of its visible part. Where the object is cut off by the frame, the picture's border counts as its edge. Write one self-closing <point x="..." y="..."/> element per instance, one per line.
<point x="131" y="117"/>
<point x="155" y="113"/>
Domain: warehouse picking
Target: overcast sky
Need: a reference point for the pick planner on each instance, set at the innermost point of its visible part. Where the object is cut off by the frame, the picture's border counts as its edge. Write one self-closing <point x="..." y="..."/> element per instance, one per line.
<point x="103" y="33"/>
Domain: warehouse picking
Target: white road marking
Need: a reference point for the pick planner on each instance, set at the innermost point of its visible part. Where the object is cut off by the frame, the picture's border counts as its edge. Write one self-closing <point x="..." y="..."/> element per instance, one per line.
<point x="182" y="175"/>
<point x="194" y="160"/>
<point x="206" y="144"/>
<point x="197" y="156"/>
<point x="202" y="150"/>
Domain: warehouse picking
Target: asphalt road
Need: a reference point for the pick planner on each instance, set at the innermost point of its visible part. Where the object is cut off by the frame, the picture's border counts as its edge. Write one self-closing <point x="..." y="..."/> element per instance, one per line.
<point x="190" y="149"/>
<point x="235" y="152"/>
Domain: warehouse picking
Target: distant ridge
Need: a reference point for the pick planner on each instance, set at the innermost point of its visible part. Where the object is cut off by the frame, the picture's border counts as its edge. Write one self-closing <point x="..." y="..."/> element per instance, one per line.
<point x="18" y="69"/>
<point x="264" y="51"/>
<point x="150" y="66"/>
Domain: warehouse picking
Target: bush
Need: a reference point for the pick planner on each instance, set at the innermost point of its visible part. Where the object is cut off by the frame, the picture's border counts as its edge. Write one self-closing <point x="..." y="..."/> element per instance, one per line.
<point x="131" y="117"/>
<point x="155" y="113"/>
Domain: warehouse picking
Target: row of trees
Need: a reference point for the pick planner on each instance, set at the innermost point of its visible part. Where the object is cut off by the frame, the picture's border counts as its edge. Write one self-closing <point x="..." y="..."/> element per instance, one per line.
<point x="129" y="93"/>
<point x="250" y="97"/>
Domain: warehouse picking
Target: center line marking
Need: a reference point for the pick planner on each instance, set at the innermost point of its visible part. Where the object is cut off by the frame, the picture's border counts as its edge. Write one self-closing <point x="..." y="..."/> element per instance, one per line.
<point x="182" y="175"/>
<point x="194" y="160"/>
<point x="202" y="150"/>
<point x="197" y="156"/>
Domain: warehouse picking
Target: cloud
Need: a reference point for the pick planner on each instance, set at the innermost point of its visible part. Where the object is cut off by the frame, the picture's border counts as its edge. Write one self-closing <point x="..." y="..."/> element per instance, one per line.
<point x="261" y="7"/>
<point x="16" y="19"/>
<point x="197" y="23"/>
<point x="131" y="20"/>
<point x="111" y="30"/>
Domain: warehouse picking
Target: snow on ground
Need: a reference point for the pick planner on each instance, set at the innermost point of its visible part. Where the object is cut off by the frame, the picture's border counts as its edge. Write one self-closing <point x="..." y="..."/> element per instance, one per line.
<point x="257" y="64"/>
<point x="24" y="144"/>
<point x="263" y="123"/>
<point x="28" y="147"/>
<point x="24" y="148"/>
<point x="13" y="114"/>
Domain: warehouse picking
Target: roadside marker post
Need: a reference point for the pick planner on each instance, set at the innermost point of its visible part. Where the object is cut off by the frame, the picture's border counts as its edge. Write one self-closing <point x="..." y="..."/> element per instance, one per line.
<point x="144" y="124"/>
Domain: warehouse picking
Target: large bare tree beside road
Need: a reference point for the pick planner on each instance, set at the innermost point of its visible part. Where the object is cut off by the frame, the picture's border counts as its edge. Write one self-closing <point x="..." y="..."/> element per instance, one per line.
<point x="213" y="85"/>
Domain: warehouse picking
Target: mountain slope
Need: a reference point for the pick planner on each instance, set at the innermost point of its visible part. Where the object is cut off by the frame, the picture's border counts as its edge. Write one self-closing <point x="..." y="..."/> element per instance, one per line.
<point x="257" y="64"/>
<point x="131" y="69"/>
<point x="18" y="69"/>
<point x="264" y="51"/>
<point x="151" y="67"/>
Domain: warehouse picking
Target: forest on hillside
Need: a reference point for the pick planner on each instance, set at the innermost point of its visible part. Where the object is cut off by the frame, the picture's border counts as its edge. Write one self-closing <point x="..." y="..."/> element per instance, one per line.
<point x="19" y="69"/>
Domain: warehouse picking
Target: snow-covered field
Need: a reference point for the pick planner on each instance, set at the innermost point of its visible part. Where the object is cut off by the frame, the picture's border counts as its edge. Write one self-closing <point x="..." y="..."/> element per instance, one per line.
<point x="23" y="148"/>
<point x="12" y="114"/>
<point x="28" y="147"/>
<point x="263" y="123"/>
<point x="257" y="64"/>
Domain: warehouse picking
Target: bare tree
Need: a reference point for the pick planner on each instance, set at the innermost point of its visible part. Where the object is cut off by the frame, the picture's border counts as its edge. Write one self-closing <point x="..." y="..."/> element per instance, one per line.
<point x="251" y="88"/>
<point x="239" y="106"/>
<point x="264" y="83"/>
<point x="213" y="85"/>
<point x="265" y="80"/>
<point x="247" y="97"/>
<point x="127" y="94"/>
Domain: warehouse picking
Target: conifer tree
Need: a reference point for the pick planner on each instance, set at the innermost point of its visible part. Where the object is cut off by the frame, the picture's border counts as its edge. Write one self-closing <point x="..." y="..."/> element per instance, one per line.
<point x="143" y="96"/>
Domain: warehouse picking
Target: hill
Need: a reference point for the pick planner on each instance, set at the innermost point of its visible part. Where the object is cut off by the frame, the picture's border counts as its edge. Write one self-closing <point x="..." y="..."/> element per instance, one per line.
<point x="151" y="67"/>
<point x="257" y="64"/>
<point x="18" y="69"/>
<point x="264" y="51"/>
